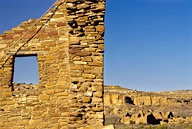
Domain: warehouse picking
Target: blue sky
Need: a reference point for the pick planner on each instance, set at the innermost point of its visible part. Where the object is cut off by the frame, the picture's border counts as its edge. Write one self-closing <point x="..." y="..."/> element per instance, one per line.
<point x="147" y="42"/>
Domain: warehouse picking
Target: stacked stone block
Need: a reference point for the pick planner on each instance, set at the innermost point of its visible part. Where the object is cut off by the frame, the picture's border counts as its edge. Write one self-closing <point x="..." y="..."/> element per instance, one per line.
<point x="69" y="45"/>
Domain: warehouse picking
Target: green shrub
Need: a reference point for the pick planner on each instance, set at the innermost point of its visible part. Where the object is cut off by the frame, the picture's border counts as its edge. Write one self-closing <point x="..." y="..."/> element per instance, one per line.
<point x="132" y="122"/>
<point x="141" y="125"/>
<point x="181" y="122"/>
<point x="162" y="127"/>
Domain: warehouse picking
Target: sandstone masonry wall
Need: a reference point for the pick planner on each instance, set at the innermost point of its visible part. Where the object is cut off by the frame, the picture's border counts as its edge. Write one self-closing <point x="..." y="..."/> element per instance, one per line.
<point x="69" y="45"/>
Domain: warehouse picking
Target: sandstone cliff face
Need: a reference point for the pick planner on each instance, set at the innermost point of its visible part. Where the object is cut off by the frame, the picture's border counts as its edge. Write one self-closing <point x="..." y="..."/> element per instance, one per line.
<point x="117" y="95"/>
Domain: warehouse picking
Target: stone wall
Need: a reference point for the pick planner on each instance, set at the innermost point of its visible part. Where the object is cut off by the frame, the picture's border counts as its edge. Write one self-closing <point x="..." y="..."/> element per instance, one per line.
<point x="69" y="45"/>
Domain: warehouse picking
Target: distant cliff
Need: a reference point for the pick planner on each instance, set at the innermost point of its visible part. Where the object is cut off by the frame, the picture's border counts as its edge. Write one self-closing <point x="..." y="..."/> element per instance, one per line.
<point x="118" y="95"/>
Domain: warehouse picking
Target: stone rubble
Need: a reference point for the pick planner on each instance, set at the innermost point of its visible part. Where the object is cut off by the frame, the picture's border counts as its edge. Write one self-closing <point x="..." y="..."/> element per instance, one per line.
<point x="154" y="118"/>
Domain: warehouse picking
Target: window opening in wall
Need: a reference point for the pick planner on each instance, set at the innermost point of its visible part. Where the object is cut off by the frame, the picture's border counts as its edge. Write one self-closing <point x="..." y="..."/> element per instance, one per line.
<point x="26" y="70"/>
